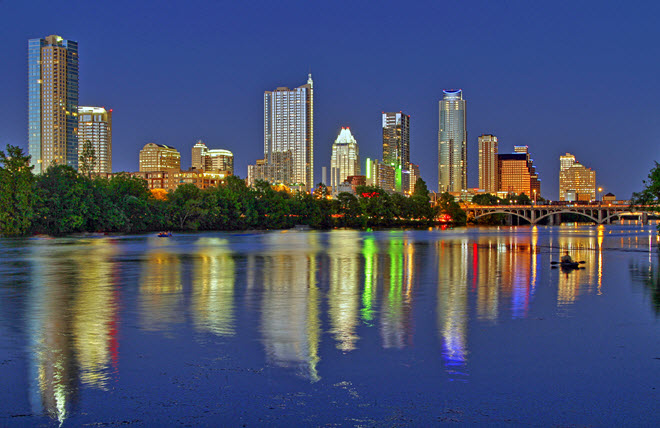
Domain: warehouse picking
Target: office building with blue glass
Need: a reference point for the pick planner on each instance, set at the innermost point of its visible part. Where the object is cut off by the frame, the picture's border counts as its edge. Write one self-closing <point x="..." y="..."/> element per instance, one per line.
<point x="52" y="102"/>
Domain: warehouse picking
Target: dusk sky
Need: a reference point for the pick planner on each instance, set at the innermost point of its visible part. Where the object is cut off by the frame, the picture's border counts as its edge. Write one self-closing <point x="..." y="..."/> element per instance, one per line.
<point x="560" y="76"/>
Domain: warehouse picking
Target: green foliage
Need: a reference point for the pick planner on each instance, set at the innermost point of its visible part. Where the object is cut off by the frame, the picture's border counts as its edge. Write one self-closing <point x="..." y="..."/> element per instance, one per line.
<point x="17" y="192"/>
<point x="64" y="201"/>
<point x="61" y="201"/>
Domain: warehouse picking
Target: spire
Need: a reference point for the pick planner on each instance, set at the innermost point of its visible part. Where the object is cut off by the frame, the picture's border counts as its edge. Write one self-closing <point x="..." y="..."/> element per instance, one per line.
<point x="310" y="82"/>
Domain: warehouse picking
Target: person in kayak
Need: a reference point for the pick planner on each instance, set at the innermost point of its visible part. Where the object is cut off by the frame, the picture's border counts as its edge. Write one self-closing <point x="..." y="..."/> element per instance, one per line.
<point x="566" y="258"/>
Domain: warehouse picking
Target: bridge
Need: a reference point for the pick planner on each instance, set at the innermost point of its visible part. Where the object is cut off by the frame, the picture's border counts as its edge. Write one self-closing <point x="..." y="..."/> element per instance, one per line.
<point x="599" y="214"/>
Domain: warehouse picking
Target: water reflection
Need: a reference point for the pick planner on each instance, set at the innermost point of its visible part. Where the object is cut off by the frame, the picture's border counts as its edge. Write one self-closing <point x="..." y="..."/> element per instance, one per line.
<point x="73" y="322"/>
<point x="344" y="288"/>
<point x="290" y="325"/>
<point x="397" y="271"/>
<point x="161" y="288"/>
<point x="213" y="287"/>
<point x="296" y="286"/>
<point x="452" y="308"/>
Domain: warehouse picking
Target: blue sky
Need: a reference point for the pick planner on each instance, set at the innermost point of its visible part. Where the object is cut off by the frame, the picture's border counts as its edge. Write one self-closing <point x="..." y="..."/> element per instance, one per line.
<point x="559" y="76"/>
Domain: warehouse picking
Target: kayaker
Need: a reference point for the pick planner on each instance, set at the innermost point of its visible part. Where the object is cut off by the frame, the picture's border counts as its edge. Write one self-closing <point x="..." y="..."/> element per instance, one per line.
<point x="566" y="258"/>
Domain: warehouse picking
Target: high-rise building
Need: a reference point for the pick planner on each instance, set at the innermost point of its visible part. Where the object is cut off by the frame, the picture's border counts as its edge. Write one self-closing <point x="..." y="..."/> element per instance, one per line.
<point x="396" y="139"/>
<point x="159" y="157"/>
<point x="289" y="134"/>
<point x="207" y="159"/>
<point x="452" y="143"/>
<point x="345" y="159"/>
<point x="576" y="182"/>
<point x="52" y="102"/>
<point x="517" y="174"/>
<point x="488" y="163"/>
<point x="198" y="154"/>
<point x="95" y="126"/>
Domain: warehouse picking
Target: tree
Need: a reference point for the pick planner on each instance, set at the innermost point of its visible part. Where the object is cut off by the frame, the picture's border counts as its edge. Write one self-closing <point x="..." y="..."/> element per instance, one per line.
<point x="87" y="159"/>
<point x="17" y="192"/>
<point x="422" y="202"/>
<point x="447" y="205"/>
<point x="650" y="195"/>
<point x="64" y="201"/>
<point x="186" y="207"/>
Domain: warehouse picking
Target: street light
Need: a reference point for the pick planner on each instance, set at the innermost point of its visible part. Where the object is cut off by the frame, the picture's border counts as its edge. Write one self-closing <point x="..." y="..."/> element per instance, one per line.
<point x="600" y="190"/>
<point x="534" y="195"/>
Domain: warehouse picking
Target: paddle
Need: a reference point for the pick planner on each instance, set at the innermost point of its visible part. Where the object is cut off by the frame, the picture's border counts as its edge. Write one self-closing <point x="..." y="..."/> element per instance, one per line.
<point x="558" y="263"/>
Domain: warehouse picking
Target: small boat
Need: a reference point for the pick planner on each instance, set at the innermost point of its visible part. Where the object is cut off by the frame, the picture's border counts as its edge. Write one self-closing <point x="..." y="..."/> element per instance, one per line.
<point x="165" y="234"/>
<point x="567" y="265"/>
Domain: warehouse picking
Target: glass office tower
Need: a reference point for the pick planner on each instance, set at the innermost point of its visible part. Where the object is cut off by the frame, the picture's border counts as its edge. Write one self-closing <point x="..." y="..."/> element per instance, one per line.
<point x="52" y="102"/>
<point x="452" y="143"/>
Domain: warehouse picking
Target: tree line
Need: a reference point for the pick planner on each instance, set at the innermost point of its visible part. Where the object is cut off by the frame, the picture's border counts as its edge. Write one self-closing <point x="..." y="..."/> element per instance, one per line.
<point x="63" y="201"/>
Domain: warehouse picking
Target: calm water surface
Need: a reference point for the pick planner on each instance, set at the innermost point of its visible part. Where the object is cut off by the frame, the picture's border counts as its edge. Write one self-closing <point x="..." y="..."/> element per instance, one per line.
<point x="347" y="328"/>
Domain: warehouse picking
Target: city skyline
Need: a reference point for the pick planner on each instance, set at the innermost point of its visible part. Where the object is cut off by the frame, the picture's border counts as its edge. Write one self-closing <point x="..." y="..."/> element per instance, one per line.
<point x="519" y="96"/>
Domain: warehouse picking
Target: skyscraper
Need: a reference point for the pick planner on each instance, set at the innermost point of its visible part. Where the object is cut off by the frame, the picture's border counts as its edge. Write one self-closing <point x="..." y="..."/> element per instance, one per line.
<point x="452" y="143"/>
<point x="289" y="134"/>
<point x="488" y="163"/>
<point x="95" y="126"/>
<point x="517" y="174"/>
<point x="345" y="160"/>
<point x="396" y="139"/>
<point x="52" y="102"/>
<point x="576" y="182"/>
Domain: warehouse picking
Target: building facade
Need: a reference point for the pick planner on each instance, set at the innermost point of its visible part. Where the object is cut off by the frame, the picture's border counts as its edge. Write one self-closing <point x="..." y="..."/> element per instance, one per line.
<point x="576" y="182"/>
<point x="207" y="159"/>
<point x="95" y="126"/>
<point x="517" y="174"/>
<point x="52" y="102"/>
<point x="159" y="157"/>
<point x="381" y="175"/>
<point x="488" y="163"/>
<point x="289" y="134"/>
<point x="396" y="139"/>
<point x="452" y="143"/>
<point x="345" y="159"/>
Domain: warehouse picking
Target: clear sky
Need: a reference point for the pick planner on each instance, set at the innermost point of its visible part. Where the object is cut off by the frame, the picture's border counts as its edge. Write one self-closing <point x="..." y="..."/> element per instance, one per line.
<point x="561" y="76"/>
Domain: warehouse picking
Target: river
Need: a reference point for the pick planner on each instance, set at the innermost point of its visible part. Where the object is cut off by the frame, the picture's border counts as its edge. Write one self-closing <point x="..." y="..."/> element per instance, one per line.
<point x="465" y="326"/>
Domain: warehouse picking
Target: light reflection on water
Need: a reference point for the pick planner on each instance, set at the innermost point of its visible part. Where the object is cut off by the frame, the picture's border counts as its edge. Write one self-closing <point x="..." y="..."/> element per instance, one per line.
<point x="298" y="289"/>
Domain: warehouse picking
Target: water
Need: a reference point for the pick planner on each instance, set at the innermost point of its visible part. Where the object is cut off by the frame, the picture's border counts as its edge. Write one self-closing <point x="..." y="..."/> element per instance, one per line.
<point x="348" y="328"/>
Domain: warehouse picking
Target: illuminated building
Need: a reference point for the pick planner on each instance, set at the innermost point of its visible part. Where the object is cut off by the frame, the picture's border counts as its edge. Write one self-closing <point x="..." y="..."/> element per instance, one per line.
<point x="289" y="135"/>
<point x="52" y="102"/>
<point x="414" y="175"/>
<point x="171" y="179"/>
<point x="159" y="157"/>
<point x="381" y="175"/>
<point x="396" y="139"/>
<point x="488" y="163"/>
<point x="345" y="160"/>
<point x="95" y="126"/>
<point x="452" y="143"/>
<point x="516" y="173"/>
<point x="576" y="182"/>
<point x="212" y="159"/>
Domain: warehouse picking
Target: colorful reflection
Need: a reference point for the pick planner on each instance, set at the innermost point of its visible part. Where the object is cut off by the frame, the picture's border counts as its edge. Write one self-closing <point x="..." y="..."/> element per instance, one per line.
<point x="396" y="318"/>
<point x="73" y="325"/>
<point x="452" y="307"/>
<point x="213" y="287"/>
